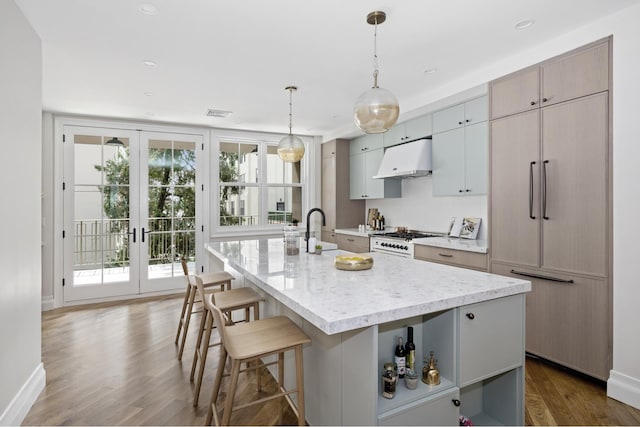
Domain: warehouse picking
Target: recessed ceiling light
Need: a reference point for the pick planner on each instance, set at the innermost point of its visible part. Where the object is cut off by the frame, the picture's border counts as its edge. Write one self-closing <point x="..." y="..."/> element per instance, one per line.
<point x="149" y="9"/>
<point x="524" y="24"/>
<point x="148" y="94"/>
<point x="218" y="113"/>
<point x="430" y="70"/>
<point x="149" y="63"/>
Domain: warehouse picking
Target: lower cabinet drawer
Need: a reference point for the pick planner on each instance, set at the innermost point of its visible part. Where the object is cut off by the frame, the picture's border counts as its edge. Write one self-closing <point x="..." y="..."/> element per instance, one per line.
<point x="438" y="410"/>
<point x="497" y="326"/>
<point x="475" y="260"/>
<point x="350" y="243"/>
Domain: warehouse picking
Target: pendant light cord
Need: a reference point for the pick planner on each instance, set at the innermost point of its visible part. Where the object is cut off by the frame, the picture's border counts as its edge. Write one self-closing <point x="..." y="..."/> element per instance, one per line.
<point x="290" y="108"/>
<point x="375" y="54"/>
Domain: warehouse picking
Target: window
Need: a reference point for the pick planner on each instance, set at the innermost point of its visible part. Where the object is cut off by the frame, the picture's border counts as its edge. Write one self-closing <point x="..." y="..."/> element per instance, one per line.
<point x="266" y="191"/>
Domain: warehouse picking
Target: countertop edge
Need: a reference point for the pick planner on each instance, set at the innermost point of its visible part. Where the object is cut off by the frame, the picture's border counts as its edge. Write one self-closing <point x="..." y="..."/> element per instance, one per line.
<point x="477" y="246"/>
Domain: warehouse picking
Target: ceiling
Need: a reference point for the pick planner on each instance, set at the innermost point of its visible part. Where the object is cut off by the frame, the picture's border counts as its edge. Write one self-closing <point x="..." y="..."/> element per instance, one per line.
<point x="239" y="55"/>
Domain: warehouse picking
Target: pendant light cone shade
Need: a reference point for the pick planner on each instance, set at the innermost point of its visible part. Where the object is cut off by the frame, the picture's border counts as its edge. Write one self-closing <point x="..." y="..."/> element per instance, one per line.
<point x="377" y="109"/>
<point x="290" y="148"/>
<point x="115" y="142"/>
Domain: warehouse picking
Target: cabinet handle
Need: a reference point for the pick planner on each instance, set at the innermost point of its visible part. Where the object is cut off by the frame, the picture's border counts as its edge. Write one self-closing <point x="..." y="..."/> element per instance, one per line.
<point x="545" y="99"/>
<point x="533" y="102"/>
<point x="459" y="123"/>
<point x="456" y="402"/>
<point x="468" y="120"/>
<point x="445" y="255"/>
<point x="531" y="215"/>
<point x="467" y="190"/>
<point x="350" y="240"/>
<point x="470" y="316"/>
<point x="544" y="189"/>
<point x="459" y="191"/>
<point x="540" y="276"/>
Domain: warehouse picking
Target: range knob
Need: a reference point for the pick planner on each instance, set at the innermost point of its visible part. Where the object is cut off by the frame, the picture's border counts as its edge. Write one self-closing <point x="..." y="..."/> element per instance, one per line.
<point x="406" y="248"/>
<point x="384" y="244"/>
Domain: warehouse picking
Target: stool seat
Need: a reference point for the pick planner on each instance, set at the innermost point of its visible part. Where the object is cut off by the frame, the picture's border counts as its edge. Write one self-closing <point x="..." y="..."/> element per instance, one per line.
<point x="263" y="337"/>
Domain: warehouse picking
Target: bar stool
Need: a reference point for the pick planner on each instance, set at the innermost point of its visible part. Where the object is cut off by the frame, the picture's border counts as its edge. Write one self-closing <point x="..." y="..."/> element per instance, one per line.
<point x="227" y="302"/>
<point x="249" y="342"/>
<point x="221" y="279"/>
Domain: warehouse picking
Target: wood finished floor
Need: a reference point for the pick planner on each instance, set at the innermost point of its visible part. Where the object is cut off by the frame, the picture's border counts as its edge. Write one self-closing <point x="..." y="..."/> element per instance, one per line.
<point x="115" y="364"/>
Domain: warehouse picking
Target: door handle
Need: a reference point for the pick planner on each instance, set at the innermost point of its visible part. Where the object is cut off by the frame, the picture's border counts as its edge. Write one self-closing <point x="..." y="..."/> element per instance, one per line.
<point x="142" y="233"/>
<point x="134" y="234"/>
<point x="544" y="189"/>
<point x="531" y="215"/>
<point x="540" y="276"/>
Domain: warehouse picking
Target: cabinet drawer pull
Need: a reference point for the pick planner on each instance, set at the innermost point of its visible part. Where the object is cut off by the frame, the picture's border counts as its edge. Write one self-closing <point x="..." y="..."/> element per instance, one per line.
<point x="445" y="255"/>
<point x="470" y="316"/>
<point x="350" y="240"/>
<point x="544" y="189"/>
<point x="531" y="215"/>
<point x="540" y="276"/>
<point x="459" y="123"/>
<point x="456" y="402"/>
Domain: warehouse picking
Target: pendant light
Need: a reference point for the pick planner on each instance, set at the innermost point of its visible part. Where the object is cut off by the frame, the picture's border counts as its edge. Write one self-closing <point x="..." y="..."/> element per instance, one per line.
<point x="290" y="148"/>
<point x="377" y="109"/>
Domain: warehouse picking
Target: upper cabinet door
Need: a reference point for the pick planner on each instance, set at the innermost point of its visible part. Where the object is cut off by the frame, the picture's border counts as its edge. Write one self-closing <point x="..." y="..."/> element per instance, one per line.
<point x="417" y="128"/>
<point x="449" y="118"/>
<point x="476" y="111"/>
<point x="584" y="73"/>
<point x="515" y="93"/>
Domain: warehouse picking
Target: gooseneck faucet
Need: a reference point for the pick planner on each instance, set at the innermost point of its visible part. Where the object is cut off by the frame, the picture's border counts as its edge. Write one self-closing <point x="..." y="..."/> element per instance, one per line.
<point x="306" y="233"/>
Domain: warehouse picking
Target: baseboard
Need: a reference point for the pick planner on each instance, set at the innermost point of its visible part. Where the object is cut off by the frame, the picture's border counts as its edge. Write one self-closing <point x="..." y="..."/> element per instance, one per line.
<point x="48" y="303"/>
<point x="624" y="388"/>
<point x="24" y="399"/>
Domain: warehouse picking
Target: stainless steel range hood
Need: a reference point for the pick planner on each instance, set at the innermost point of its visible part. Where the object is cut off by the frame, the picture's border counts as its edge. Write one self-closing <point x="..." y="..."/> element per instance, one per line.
<point x="406" y="160"/>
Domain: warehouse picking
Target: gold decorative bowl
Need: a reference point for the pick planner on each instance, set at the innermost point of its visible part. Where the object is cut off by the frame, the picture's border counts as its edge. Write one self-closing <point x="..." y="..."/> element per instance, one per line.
<point x="353" y="262"/>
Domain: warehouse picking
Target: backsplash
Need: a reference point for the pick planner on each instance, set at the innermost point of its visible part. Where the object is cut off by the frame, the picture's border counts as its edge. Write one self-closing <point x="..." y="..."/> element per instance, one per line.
<point x="418" y="209"/>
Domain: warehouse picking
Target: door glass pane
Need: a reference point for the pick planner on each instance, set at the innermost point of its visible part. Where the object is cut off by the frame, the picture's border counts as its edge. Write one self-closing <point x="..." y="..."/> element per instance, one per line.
<point x="284" y="204"/>
<point x="171" y="204"/>
<point x="101" y="210"/>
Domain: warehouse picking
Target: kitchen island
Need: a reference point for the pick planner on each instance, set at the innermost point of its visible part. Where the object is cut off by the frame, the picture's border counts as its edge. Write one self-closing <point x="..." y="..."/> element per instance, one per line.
<point x="355" y="317"/>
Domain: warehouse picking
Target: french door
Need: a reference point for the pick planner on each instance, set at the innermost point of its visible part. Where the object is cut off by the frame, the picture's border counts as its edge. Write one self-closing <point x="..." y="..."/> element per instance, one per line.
<point x="130" y="211"/>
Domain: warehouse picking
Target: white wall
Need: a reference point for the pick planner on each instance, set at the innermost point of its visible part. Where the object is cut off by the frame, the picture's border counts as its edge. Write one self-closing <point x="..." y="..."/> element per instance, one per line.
<point x="21" y="372"/>
<point x="419" y="210"/>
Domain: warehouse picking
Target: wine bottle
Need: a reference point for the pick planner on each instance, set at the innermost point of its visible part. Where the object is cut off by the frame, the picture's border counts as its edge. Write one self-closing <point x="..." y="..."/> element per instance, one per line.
<point x="410" y="350"/>
<point x="400" y="358"/>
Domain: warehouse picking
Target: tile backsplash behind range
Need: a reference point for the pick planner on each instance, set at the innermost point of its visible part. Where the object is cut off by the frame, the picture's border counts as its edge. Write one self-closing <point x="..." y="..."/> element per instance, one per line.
<point x="418" y="209"/>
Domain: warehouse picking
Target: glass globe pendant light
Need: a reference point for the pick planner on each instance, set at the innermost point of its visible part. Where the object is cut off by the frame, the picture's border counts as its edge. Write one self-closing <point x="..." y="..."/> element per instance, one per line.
<point x="290" y="148"/>
<point x="377" y="109"/>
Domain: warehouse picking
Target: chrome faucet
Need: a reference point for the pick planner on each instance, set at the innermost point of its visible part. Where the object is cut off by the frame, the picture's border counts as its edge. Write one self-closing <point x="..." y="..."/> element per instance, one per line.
<point x="306" y="233"/>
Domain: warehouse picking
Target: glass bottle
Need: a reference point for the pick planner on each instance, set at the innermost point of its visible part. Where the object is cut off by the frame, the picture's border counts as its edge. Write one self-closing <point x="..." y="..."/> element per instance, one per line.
<point x="389" y="380"/>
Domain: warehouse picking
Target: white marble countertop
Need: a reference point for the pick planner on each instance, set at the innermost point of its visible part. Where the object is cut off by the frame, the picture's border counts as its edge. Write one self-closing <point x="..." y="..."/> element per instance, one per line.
<point x="356" y="232"/>
<point x="337" y="301"/>
<point x="480" y="246"/>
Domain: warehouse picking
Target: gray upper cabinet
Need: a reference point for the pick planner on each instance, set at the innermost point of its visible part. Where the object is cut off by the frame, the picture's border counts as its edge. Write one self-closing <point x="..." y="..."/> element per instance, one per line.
<point x="408" y="131"/>
<point x="457" y="116"/>
<point x="365" y="143"/>
<point x="460" y="153"/>
<point x="365" y="156"/>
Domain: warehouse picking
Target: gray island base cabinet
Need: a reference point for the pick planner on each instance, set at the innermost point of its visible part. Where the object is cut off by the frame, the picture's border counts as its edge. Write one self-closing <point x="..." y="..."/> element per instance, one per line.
<point x="472" y="320"/>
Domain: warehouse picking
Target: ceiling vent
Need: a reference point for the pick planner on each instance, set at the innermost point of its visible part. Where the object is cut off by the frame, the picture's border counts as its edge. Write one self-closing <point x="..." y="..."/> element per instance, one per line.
<point x="218" y="113"/>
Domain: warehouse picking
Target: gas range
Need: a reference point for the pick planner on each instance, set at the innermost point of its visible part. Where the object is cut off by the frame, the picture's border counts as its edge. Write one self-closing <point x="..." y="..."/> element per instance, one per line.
<point x="397" y="243"/>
